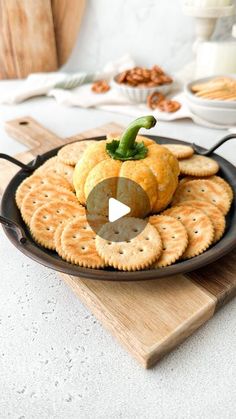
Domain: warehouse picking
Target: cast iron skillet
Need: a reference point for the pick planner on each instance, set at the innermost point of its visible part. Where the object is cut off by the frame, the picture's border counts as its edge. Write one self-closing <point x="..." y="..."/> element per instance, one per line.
<point x="19" y="235"/>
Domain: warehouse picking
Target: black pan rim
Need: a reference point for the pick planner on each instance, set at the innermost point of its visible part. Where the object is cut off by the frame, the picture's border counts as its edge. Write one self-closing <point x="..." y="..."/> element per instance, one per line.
<point x="50" y="260"/>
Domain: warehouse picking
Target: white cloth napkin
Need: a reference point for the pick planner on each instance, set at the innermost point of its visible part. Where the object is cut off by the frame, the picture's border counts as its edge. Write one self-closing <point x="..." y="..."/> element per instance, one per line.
<point x="75" y="90"/>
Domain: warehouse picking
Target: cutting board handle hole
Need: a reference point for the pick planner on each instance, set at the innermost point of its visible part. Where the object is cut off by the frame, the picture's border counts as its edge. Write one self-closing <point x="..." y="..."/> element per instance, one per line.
<point x="23" y="123"/>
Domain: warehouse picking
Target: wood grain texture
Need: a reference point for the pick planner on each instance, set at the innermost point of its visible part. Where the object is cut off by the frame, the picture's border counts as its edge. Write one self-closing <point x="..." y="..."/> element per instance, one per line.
<point x="149" y="318"/>
<point x="27" y="40"/>
<point x="67" y="16"/>
<point x="219" y="278"/>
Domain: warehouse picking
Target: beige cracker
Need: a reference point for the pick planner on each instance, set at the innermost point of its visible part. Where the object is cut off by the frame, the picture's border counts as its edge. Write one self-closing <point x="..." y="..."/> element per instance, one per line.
<point x="180" y="151"/>
<point x="38" y="179"/>
<point x="216" y="179"/>
<point x="198" y="166"/>
<point x="203" y="190"/>
<point x="48" y="216"/>
<point x="39" y="196"/>
<point x="78" y="244"/>
<point x="199" y="228"/>
<point x="71" y="153"/>
<point x="131" y="254"/>
<point x="215" y="215"/>
<point x="174" y="239"/>
<point x="54" y="165"/>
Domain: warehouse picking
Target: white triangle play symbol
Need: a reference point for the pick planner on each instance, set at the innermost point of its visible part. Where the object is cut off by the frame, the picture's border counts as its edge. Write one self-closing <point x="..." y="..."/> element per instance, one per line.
<point x="116" y="209"/>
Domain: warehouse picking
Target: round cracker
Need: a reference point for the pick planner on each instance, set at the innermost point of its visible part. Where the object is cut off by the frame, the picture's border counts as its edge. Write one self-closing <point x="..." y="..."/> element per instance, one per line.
<point x="198" y="166"/>
<point x="36" y="180"/>
<point x="72" y="153"/>
<point x="216" y="179"/>
<point x="203" y="190"/>
<point x="199" y="228"/>
<point x="132" y="254"/>
<point x="39" y="196"/>
<point x="215" y="215"/>
<point x="47" y="165"/>
<point x="47" y="217"/>
<point x="180" y="151"/>
<point x="54" y="165"/>
<point x="78" y="244"/>
<point x="225" y="185"/>
<point x="174" y="239"/>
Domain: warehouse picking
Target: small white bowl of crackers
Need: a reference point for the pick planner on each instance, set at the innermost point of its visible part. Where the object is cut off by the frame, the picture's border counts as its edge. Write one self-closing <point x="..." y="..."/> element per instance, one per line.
<point x="213" y="99"/>
<point x="192" y="223"/>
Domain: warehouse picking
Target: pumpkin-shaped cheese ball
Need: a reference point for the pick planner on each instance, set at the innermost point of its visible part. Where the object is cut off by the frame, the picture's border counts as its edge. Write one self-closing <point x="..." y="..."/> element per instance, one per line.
<point x="146" y="163"/>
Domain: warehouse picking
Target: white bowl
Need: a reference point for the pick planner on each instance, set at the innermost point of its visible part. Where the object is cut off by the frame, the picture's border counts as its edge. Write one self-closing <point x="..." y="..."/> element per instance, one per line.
<point x="208" y="102"/>
<point x="219" y="112"/>
<point x="219" y="116"/>
<point x="140" y="94"/>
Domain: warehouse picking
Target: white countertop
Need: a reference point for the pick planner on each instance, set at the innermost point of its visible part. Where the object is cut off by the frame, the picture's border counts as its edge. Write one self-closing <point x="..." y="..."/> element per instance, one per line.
<point x="57" y="361"/>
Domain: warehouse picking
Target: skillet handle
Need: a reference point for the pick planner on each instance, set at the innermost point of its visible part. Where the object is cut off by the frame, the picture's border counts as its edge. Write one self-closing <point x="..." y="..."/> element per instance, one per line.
<point x="15" y="227"/>
<point x="27" y="167"/>
<point x="217" y="145"/>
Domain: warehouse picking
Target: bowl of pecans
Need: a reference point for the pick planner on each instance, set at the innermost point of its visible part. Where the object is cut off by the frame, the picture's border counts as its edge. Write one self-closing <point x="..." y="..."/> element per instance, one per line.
<point x="139" y="82"/>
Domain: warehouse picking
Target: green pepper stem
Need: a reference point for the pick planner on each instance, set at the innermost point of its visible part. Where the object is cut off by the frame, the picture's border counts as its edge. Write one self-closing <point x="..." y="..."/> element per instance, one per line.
<point x="127" y="141"/>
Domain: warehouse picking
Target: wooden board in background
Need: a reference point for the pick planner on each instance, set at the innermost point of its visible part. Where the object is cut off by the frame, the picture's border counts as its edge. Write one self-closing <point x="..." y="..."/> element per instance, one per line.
<point x="67" y="16"/>
<point x="27" y="39"/>
<point x="149" y="318"/>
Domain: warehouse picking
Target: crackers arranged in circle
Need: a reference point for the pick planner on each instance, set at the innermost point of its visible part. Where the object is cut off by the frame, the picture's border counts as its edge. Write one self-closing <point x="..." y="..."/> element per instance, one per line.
<point x="38" y="179"/>
<point x="132" y="254"/>
<point x="180" y="151"/>
<point x="203" y="190"/>
<point x="39" y="196"/>
<point x="198" y="166"/>
<point x="199" y="228"/>
<point x="71" y="153"/>
<point x="47" y="217"/>
<point x="215" y="215"/>
<point x="174" y="239"/>
<point x="78" y="244"/>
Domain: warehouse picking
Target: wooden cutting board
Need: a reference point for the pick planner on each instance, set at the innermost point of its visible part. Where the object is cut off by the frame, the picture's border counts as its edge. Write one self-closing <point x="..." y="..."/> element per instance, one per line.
<point x="67" y="16"/>
<point x="27" y="39"/>
<point x="148" y="317"/>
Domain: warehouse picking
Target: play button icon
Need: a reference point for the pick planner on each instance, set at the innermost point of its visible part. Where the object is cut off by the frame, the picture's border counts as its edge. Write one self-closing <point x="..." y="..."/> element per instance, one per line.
<point x="114" y="198"/>
<point x="116" y="209"/>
